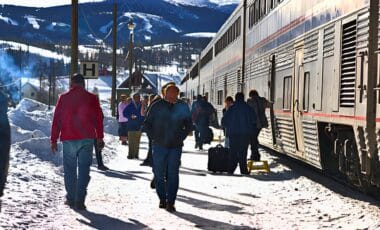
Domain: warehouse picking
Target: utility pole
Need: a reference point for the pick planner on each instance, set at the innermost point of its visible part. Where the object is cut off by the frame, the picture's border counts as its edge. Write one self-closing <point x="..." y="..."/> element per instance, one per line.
<point x="50" y="81"/>
<point x="244" y="44"/>
<point x="114" y="34"/>
<point x="74" y="37"/>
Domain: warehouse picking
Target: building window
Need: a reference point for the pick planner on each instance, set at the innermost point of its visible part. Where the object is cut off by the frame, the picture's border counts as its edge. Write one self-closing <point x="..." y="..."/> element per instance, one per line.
<point x="32" y="94"/>
<point x="306" y="86"/>
<point x="287" y="93"/>
<point x="220" y="97"/>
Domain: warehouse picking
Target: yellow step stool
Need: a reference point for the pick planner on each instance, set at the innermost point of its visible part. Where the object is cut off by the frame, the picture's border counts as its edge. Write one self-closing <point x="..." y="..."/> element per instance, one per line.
<point x="257" y="165"/>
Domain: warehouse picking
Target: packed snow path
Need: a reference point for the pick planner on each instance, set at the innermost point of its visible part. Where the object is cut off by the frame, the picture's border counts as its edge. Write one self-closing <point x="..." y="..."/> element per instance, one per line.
<point x="290" y="197"/>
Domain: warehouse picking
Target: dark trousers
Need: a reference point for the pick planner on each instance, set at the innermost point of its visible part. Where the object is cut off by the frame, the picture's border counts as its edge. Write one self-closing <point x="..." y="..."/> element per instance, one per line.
<point x="197" y="135"/>
<point x="255" y="155"/>
<point x="98" y="154"/>
<point x="148" y="158"/>
<point x="239" y="148"/>
<point x="200" y="132"/>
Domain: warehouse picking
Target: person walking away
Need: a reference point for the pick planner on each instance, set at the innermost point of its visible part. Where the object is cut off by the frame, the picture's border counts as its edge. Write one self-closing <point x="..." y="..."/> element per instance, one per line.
<point x="133" y="113"/>
<point x="77" y="121"/>
<point x="195" y="110"/>
<point x="240" y="123"/>
<point x="203" y="121"/>
<point x="168" y="122"/>
<point x="5" y="143"/>
<point x="258" y="104"/>
<point x="123" y="121"/>
<point x="228" y="102"/>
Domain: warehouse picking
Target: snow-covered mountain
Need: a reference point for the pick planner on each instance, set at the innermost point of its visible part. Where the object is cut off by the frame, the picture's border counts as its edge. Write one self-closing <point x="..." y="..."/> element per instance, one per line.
<point x="208" y="3"/>
<point x="157" y="21"/>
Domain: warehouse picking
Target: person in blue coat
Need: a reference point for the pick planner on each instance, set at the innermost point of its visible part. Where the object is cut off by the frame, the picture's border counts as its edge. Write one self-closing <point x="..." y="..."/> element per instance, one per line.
<point x="135" y="120"/>
<point x="240" y="124"/>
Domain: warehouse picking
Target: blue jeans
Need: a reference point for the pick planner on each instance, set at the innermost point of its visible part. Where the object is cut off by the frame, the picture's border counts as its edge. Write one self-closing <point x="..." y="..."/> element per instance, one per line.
<point x="166" y="163"/>
<point x="77" y="154"/>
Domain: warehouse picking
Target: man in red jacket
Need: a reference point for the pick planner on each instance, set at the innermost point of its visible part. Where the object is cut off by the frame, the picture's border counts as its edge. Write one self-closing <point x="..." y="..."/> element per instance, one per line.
<point x="77" y="122"/>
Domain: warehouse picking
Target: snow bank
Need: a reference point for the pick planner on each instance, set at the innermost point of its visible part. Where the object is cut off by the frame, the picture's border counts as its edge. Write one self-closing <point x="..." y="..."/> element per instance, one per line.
<point x="30" y="116"/>
<point x="31" y="123"/>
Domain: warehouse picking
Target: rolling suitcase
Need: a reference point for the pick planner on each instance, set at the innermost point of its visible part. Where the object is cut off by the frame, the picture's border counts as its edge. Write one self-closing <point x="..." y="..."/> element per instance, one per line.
<point x="219" y="159"/>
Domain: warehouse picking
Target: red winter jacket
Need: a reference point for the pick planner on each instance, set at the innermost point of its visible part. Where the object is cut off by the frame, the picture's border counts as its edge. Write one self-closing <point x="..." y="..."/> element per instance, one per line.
<point x="77" y="116"/>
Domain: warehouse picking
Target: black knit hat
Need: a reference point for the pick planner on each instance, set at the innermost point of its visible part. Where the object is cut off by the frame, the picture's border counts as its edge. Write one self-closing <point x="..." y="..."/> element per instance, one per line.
<point x="77" y="78"/>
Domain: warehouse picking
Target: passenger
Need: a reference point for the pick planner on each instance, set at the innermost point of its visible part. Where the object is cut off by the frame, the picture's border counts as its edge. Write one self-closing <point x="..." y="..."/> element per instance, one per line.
<point x="133" y="113"/>
<point x="148" y="159"/>
<point x="123" y="121"/>
<point x="258" y="104"/>
<point x="240" y="123"/>
<point x="195" y="109"/>
<point x="202" y="114"/>
<point x="77" y="131"/>
<point x="168" y="122"/>
<point x="5" y="143"/>
<point x="98" y="151"/>
<point x="228" y="102"/>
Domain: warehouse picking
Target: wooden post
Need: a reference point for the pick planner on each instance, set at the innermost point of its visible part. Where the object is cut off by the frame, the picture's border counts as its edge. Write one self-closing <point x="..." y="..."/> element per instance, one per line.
<point x="74" y="37"/>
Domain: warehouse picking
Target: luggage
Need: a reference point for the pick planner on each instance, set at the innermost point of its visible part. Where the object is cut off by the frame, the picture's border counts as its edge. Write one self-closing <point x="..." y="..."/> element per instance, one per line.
<point x="219" y="159"/>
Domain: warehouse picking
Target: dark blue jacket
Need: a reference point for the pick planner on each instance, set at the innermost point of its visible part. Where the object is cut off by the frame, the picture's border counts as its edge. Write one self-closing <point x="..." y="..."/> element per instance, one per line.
<point x="5" y="142"/>
<point x="239" y="119"/>
<point x="134" y="109"/>
<point x="168" y="124"/>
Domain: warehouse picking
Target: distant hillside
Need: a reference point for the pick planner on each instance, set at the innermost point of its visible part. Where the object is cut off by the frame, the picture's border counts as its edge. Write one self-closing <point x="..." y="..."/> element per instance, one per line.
<point x="157" y="21"/>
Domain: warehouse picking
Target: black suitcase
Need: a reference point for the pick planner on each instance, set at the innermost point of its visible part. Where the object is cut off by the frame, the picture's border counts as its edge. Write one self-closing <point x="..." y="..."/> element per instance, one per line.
<point x="219" y="159"/>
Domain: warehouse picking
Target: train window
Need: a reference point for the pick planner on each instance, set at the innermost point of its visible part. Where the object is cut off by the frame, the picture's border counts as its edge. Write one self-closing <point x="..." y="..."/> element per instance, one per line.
<point x="287" y="93"/>
<point x="257" y="10"/>
<point x="272" y="4"/>
<point x="306" y="87"/>
<point x="220" y="97"/>
<point x="263" y="7"/>
<point x="250" y="21"/>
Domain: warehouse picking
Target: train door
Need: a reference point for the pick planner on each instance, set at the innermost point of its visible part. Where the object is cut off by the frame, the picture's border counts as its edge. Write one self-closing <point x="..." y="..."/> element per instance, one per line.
<point x="271" y="85"/>
<point x="297" y="100"/>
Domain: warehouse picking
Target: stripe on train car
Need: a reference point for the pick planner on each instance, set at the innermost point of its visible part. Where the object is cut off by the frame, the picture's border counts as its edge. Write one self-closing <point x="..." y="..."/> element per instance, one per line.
<point x="308" y="114"/>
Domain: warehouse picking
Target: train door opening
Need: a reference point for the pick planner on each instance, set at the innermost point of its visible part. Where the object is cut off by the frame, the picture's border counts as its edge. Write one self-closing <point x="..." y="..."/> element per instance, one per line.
<point x="271" y="86"/>
<point x="298" y="100"/>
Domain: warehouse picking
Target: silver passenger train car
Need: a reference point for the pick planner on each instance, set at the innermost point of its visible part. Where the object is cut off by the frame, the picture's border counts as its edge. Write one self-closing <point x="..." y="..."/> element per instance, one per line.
<point x="317" y="60"/>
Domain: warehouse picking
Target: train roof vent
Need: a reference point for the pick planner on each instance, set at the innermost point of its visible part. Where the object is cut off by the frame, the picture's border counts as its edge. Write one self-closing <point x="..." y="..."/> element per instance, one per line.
<point x="348" y="67"/>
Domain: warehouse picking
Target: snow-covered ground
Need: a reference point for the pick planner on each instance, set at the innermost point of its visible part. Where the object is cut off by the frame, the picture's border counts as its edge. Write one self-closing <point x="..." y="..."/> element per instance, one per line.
<point x="289" y="197"/>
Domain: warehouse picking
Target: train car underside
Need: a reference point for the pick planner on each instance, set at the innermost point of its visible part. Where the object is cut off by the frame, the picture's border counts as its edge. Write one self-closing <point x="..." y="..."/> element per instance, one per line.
<point x="343" y="154"/>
